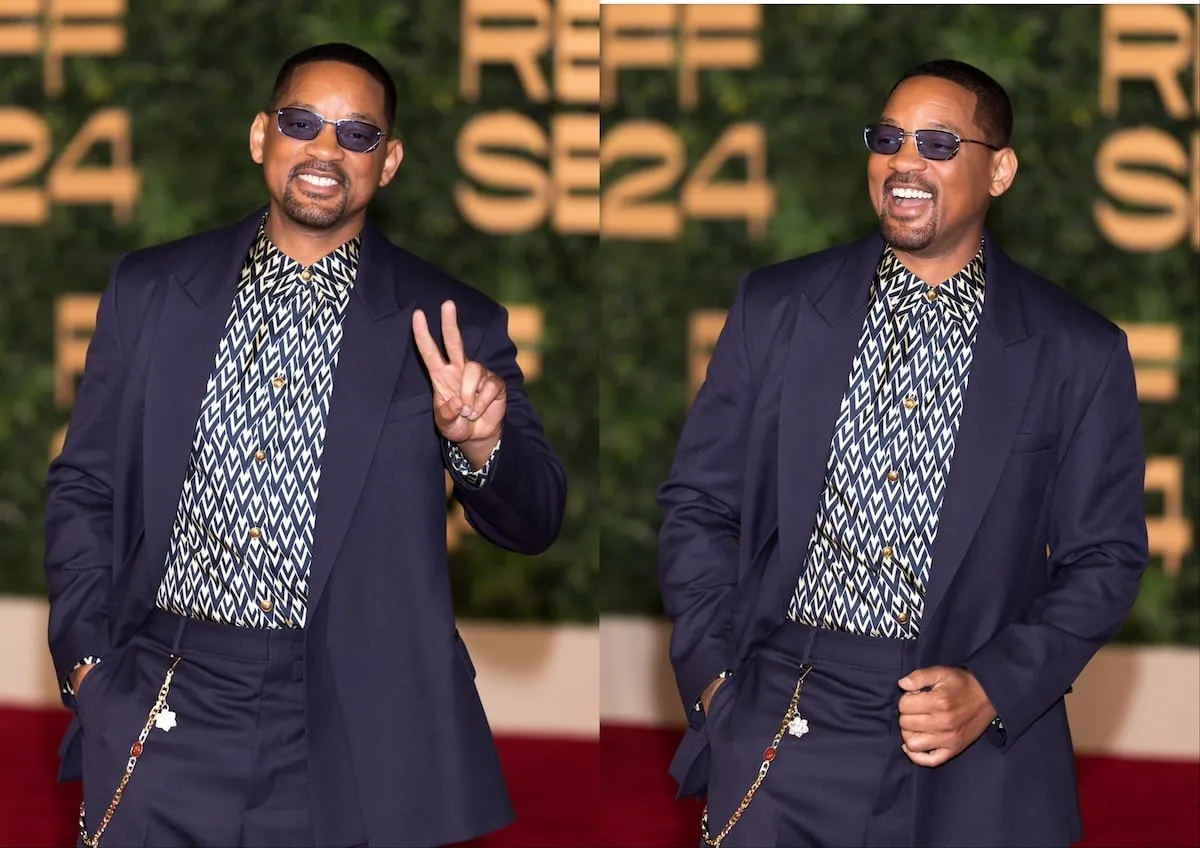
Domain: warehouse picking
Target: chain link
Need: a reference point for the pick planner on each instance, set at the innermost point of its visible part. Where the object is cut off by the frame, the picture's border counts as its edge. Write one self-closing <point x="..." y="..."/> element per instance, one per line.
<point x="134" y="753"/>
<point x="768" y="758"/>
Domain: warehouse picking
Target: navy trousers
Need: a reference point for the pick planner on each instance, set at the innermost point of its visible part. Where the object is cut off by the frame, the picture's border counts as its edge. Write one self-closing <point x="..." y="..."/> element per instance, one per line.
<point x="845" y="782"/>
<point x="232" y="771"/>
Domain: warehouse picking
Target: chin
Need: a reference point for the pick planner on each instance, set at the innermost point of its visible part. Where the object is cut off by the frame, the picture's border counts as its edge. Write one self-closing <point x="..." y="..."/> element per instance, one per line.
<point x="313" y="215"/>
<point x="908" y="239"/>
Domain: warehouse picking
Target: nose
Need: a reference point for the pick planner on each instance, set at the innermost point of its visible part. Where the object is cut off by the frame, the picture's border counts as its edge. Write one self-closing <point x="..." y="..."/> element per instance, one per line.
<point x="325" y="146"/>
<point x="907" y="159"/>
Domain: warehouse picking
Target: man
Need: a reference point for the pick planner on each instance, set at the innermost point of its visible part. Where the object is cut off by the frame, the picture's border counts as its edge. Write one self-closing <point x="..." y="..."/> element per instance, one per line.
<point x="246" y="550"/>
<point x="905" y="511"/>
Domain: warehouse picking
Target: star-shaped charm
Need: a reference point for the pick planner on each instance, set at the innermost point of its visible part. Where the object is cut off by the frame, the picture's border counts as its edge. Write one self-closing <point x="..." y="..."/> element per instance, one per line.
<point x="165" y="719"/>
<point x="798" y="726"/>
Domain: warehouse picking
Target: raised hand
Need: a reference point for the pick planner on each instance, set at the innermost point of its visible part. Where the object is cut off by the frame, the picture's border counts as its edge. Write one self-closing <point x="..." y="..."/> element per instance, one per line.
<point x="468" y="400"/>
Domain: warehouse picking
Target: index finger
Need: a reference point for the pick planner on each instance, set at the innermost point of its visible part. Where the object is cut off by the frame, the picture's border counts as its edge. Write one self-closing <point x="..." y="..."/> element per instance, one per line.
<point x="917" y="703"/>
<point x="426" y="346"/>
<point x="450" y="335"/>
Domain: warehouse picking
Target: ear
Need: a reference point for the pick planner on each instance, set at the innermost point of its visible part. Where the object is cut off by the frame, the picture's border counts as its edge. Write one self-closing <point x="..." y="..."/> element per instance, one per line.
<point x="1004" y="171"/>
<point x="395" y="153"/>
<point x="258" y="136"/>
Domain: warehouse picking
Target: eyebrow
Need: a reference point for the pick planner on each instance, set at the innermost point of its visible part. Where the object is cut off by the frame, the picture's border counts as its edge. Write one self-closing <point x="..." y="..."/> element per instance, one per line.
<point x="932" y="125"/>
<point x="353" y="116"/>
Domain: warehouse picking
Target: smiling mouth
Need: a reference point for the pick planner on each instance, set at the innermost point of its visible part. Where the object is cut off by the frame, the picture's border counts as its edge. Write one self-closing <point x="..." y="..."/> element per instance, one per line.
<point x="318" y="181"/>
<point x="908" y="193"/>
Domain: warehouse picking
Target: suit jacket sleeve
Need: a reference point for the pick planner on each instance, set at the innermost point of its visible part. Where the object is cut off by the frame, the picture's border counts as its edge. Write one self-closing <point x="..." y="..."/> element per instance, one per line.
<point x="79" y="502"/>
<point x="1098" y="553"/>
<point x="521" y="506"/>
<point x="701" y="503"/>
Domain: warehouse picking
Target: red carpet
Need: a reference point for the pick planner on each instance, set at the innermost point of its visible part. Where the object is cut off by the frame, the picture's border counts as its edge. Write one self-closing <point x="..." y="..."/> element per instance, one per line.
<point x="1126" y="803"/>
<point x="1131" y="804"/>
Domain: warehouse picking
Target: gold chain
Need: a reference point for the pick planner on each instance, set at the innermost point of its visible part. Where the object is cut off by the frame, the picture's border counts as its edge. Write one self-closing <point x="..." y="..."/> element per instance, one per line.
<point x="134" y="753"/>
<point x="768" y="758"/>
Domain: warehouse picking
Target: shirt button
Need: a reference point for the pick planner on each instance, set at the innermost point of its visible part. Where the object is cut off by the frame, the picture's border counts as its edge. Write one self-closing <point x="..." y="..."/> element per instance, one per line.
<point x="306" y="275"/>
<point x="260" y="456"/>
<point x="265" y="605"/>
<point x="931" y="295"/>
<point x="279" y="381"/>
<point x="893" y="476"/>
<point x="910" y="402"/>
<point x="255" y="533"/>
<point x="902" y="617"/>
<point x="887" y="552"/>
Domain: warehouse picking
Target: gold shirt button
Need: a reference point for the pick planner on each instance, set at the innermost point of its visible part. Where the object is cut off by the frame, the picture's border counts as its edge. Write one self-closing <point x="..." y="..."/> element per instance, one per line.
<point x="260" y="456"/>
<point x="910" y="402"/>
<point x="255" y="532"/>
<point x="931" y="295"/>
<point x="893" y="476"/>
<point x="265" y="605"/>
<point x="902" y="617"/>
<point x="306" y="275"/>
<point x="887" y="552"/>
<point x="279" y="381"/>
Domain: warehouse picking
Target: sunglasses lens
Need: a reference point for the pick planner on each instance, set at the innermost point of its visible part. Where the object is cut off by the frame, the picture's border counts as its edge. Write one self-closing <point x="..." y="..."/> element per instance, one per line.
<point x="936" y="144"/>
<point x="884" y="139"/>
<point x="358" y="136"/>
<point x="299" y="124"/>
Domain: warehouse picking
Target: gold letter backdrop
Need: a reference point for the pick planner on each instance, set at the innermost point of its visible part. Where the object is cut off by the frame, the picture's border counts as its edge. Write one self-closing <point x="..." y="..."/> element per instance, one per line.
<point x="695" y="141"/>
<point x="123" y="123"/>
<point x="1107" y="205"/>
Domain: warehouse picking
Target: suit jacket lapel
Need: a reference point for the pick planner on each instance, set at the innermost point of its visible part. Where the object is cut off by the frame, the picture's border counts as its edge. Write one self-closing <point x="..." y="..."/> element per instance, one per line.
<point x="195" y="311"/>
<point x="818" y="365"/>
<point x="1003" y="367"/>
<point x="376" y="337"/>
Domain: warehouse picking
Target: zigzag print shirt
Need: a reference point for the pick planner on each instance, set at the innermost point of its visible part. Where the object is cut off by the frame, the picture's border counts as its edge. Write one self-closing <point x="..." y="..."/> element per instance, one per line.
<point x="241" y="543"/>
<point x="868" y="558"/>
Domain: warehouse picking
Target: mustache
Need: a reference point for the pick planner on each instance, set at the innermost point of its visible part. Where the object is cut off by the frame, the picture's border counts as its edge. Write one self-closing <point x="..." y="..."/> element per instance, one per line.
<point x="319" y="167"/>
<point x="909" y="182"/>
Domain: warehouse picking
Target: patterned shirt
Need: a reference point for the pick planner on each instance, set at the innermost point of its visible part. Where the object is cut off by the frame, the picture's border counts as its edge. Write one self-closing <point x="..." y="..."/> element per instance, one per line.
<point x="869" y="555"/>
<point x="241" y="543"/>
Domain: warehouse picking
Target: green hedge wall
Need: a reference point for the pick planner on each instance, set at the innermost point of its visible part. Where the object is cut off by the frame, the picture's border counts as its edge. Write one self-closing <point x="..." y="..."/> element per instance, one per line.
<point x="825" y="72"/>
<point x="614" y="372"/>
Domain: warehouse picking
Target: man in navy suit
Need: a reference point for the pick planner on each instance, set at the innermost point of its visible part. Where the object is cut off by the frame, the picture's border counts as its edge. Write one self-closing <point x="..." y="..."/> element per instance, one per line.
<point x="250" y="606"/>
<point x="905" y="511"/>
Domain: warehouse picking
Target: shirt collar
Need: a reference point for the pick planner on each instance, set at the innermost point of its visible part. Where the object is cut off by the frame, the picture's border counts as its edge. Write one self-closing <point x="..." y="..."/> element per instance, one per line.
<point x="958" y="296"/>
<point x="329" y="279"/>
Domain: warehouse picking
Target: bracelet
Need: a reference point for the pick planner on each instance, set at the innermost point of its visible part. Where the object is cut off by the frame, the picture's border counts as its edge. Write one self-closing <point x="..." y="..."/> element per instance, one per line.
<point x="698" y="707"/>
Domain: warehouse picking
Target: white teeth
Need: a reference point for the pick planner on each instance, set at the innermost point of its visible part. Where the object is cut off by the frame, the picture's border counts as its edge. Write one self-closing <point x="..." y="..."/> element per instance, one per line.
<point x="324" y="182"/>
<point x="911" y="193"/>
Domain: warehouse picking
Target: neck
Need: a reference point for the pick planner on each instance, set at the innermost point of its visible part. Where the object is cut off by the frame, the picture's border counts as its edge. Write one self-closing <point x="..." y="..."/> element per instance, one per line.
<point x="934" y="266"/>
<point x="308" y="245"/>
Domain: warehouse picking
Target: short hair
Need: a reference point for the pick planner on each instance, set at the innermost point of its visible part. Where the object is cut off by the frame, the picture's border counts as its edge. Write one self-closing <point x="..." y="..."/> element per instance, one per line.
<point x="993" y="109"/>
<point x="347" y="54"/>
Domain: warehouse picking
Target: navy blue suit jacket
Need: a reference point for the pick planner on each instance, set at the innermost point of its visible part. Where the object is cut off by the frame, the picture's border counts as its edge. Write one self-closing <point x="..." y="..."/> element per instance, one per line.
<point x="392" y="704"/>
<point x="1049" y="455"/>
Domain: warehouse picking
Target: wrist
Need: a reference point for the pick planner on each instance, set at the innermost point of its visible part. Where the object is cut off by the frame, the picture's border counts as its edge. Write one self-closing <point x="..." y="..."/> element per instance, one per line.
<point x="478" y="451"/>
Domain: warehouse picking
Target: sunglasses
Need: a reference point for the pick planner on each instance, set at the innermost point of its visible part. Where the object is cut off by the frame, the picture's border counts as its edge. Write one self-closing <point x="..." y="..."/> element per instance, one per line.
<point x="938" y="145"/>
<point x="304" y="125"/>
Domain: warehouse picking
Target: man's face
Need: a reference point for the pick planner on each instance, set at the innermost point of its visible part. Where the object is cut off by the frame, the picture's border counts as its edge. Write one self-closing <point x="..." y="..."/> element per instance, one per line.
<point x="960" y="188"/>
<point x="318" y="184"/>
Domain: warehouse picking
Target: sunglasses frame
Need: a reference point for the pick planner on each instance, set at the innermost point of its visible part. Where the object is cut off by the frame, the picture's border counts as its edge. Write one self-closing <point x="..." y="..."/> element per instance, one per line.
<point x="959" y="141"/>
<point x="321" y="125"/>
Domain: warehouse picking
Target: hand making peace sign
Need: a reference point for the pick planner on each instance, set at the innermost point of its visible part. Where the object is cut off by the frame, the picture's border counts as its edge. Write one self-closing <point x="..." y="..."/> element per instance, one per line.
<point x="469" y="400"/>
